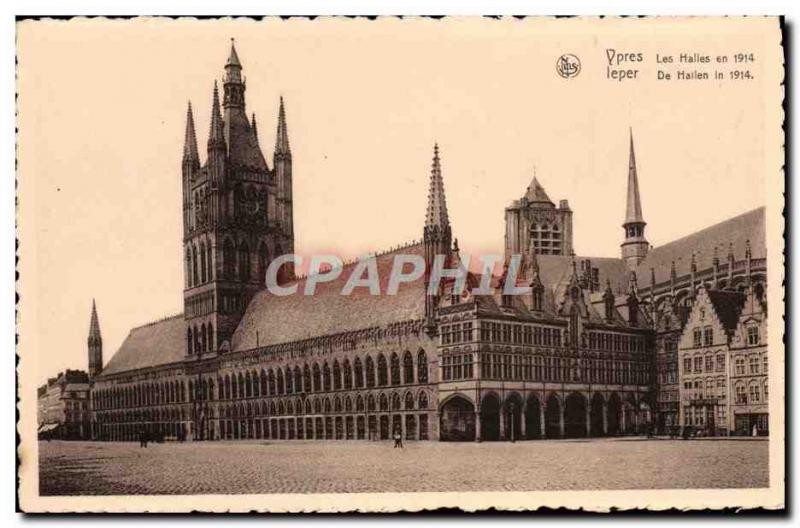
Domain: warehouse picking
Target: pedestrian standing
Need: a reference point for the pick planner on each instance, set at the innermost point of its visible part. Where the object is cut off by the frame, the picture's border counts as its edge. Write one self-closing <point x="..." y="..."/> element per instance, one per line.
<point x="398" y="439"/>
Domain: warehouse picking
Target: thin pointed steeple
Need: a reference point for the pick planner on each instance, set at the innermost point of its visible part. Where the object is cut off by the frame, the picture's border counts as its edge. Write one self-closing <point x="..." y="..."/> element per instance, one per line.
<point x="282" y="136"/>
<point x="254" y="127"/>
<point x="633" y="210"/>
<point x="436" y="214"/>
<point x="635" y="245"/>
<point x="95" y="343"/>
<point x="190" y="140"/>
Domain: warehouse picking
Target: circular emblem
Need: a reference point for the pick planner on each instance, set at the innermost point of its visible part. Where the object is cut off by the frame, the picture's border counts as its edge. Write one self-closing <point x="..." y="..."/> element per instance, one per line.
<point x="568" y="66"/>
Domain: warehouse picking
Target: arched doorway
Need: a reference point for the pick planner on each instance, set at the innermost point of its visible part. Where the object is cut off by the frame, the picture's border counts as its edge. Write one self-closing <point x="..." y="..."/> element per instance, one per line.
<point x="533" y="425"/>
<point x="552" y="417"/>
<point x="575" y="416"/>
<point x="596" y="415"/>
<point x="513" y="415"/>
<point x="490" y="417"/>
<point x="614" y="412"/>
<point x="457" y="422"/>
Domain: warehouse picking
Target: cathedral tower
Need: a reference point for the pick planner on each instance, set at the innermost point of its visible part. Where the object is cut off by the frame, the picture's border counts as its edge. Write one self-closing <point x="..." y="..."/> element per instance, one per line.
<point x="233" y="225"/>
<point x="635" y="246"/>
<point x="437" y="235"/>
<point x="95" y="344"/>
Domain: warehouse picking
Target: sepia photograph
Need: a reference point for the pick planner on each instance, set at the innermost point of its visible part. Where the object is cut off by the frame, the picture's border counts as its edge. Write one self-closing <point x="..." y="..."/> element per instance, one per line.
<point x="341" y="264"/>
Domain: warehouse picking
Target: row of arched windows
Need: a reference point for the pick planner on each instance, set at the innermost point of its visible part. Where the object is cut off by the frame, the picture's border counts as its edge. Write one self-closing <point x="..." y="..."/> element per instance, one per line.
<point x="327" y="377"/>
<point x="140" y="395"/>
<point x="269" y="382"/>
<point x="200" y="339"/>
<point x="236" y="260"/>
<point x="199" y="264"/>
<point x="327" y="405"/>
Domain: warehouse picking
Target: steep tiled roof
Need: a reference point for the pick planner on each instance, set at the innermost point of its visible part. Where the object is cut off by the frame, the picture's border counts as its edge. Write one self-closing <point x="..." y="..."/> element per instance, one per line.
<point x="555" y="271"/>
<point x="242" y="143"/>
<point x="727" y="306"/>
<point x="271" y="319"/>
<point x="153" y="344"/>
<point x="736" y="230"/>
<point x="535" y="193"/>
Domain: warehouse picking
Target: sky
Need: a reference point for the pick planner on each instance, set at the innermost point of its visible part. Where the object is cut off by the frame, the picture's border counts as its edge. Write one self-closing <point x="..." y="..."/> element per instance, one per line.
<point x="101" y="120"/>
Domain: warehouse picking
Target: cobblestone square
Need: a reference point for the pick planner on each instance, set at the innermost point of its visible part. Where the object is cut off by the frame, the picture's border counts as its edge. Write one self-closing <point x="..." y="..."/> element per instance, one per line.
<point x="97" y="468"/>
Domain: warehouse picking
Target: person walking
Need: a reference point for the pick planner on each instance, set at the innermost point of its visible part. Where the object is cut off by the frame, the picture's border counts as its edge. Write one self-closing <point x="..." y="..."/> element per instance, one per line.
<point x="398" y="439"/>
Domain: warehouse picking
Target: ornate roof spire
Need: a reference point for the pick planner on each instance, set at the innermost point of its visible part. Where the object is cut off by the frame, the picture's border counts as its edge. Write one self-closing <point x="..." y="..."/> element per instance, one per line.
<point x="633" y="211"/>
<point x="233" y="58"/>
<point x="436" y="214"/>
<point x="190" y="139"/>
<point x="254" y="127"/>
<point x="216" y="135"/>
<point x="94" y="324"/>
<point x="282" y="136"/>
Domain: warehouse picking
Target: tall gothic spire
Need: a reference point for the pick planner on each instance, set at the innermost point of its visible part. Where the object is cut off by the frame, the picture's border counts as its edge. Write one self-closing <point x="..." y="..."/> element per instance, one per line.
<point x="436" y="214"/>
<point x="633" y="210"/>
<point x="190" y="139"/>
<point x="635" y="245"/>
<point x="216" y="135"/>
<point x="254" y="127"/>
<point x="282" y="136"/>
<point x="94" y="324"/>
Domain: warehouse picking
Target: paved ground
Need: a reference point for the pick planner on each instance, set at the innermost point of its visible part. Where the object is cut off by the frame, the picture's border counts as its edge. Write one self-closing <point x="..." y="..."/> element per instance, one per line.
<point x="96" y="468"/>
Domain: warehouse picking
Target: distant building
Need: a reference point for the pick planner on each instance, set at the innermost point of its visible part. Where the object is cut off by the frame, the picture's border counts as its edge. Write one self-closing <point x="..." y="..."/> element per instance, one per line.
<point x="63" y="406"/>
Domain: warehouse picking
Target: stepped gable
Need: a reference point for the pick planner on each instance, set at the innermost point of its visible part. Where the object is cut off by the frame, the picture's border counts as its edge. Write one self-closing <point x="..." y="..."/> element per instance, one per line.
<point x="727" y="305"/>
<point x="736" y="230"/>
<point x="272" y="319"/>
<point x="154" y="344"/>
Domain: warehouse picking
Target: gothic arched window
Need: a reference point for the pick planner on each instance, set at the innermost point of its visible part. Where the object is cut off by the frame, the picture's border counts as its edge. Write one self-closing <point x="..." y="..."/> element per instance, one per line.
<point x="395" y="368"/>
<point x="244" y="261"/>
<point x="189" y="341"/>
<point x="383" y="371"/>
<point x="348" y="375"/>
<point x="408" y="367"/>
<point x="337" y="375"/>
<point x="263" y="262"/>
<point x="370" y="374"/>
<point x="326" y="377"/>
<point x="358" y="373"/>
<point x="203" y="269"/>
<point x="422" y="367"/>
<point x="228" y="259"/>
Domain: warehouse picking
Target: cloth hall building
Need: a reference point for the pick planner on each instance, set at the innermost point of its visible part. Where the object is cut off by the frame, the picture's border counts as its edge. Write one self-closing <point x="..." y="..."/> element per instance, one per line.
<point x="592" y="349"/>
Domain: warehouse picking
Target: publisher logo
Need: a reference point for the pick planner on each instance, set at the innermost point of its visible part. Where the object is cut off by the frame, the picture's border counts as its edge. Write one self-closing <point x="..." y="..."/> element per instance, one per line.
<point x="568" y="66"/>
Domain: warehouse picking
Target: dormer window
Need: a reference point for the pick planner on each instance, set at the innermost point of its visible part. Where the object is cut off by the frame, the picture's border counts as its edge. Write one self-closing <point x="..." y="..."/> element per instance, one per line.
<point x="753" y="337"/>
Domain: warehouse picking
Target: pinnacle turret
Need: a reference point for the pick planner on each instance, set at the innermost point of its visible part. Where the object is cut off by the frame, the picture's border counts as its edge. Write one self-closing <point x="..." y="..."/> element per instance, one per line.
<point x="282" y="135"/>
<point x="190" y="140"/>
<point x="216" y="134"/>
<point x="254" y="127"/>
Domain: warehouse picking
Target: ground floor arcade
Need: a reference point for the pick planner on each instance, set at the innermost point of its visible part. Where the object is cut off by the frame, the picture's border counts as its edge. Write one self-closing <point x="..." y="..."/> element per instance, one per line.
<point x="527" y="415"/>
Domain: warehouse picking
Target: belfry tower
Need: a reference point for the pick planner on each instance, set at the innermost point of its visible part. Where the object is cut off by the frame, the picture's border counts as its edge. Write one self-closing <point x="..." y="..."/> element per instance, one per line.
<point x="95" y="344"/>
<point x="635" y="246"/>
<point x="235" y="216"/>
<point x="437" y="235"/>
